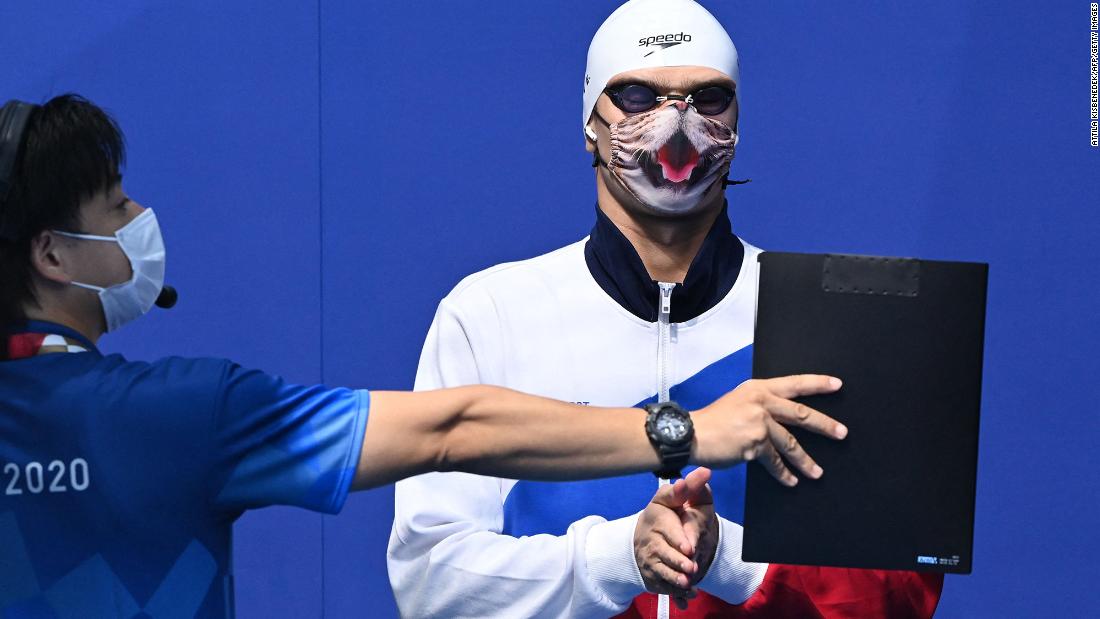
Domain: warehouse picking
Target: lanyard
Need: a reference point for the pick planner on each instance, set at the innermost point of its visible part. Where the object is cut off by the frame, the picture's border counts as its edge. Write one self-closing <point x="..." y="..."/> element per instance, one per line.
<point x="34" y="335"/>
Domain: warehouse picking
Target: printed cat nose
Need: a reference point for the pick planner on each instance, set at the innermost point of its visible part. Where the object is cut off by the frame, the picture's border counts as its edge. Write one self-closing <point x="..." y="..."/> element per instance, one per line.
<point x="681" y="105"/>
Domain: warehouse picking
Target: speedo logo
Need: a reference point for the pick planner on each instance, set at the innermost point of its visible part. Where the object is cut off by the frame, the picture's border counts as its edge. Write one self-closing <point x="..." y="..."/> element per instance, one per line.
<point x="663" y="41"/>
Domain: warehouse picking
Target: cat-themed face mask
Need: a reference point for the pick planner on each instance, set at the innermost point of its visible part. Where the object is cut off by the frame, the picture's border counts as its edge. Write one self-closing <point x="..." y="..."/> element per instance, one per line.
<point x="668" y="157"/>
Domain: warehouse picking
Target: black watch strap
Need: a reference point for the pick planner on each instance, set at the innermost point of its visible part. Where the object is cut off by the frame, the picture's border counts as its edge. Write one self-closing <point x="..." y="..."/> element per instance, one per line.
<point x="674" y="454"/>
<point x="673" y="463"/>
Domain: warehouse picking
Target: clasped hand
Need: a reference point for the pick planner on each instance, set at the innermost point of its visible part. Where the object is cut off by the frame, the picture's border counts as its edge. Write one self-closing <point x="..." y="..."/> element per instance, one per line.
<point x="676" y="536"/>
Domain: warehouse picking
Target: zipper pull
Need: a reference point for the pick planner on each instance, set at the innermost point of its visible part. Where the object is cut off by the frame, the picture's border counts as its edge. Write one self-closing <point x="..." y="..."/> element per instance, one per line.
<point x="666" y="298"/>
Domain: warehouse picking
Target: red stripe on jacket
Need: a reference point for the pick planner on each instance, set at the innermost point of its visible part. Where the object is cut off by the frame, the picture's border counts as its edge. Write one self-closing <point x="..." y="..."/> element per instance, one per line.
<point x="809" y="592"/>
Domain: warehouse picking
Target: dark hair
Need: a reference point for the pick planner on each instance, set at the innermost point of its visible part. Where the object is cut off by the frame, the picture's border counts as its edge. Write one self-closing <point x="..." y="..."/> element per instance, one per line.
<point x="71" y="151"/>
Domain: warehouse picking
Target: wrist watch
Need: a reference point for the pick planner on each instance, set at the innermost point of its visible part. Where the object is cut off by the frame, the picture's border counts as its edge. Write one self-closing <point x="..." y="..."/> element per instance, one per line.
<point x="671" y="433"/>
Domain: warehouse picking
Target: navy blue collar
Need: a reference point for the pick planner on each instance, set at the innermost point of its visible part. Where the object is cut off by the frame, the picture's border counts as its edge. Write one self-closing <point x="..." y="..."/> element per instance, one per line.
<point x="41" y="326"/>
<point x="617" y="268"/>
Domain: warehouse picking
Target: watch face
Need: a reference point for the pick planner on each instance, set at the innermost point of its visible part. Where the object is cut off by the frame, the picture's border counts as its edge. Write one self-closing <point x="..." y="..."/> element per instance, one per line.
<point x="672" y="427"/>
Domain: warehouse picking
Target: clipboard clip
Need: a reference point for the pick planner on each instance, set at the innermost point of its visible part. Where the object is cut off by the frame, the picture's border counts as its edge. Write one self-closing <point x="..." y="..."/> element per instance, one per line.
<point x="871" y="275"/>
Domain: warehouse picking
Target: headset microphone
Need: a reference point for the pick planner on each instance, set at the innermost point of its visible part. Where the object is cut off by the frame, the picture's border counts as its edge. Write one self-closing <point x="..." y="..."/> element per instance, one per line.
<point x="167" y="298"/>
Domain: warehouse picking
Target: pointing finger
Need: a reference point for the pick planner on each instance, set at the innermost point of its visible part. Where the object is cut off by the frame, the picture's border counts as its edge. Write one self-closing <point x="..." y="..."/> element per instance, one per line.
<point x="800" y="415"/>
<point x="786" y="444"/>
<point x="802" y="384"/>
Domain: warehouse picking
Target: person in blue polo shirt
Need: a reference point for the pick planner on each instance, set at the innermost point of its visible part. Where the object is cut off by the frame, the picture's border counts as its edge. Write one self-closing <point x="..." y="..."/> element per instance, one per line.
<point x="121" y="480"/>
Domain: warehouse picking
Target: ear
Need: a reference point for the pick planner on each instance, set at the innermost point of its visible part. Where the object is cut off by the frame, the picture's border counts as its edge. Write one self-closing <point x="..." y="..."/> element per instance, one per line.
<point x="47" y="258"/>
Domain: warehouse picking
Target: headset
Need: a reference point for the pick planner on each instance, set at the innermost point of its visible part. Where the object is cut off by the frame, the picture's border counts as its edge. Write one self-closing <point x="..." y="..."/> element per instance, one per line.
<point x="14" y="117"/>
<point x="13" y="125"/>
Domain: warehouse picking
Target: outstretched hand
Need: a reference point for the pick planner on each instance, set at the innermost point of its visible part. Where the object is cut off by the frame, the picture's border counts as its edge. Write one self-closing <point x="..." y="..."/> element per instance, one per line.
<point x="747" y="424"/>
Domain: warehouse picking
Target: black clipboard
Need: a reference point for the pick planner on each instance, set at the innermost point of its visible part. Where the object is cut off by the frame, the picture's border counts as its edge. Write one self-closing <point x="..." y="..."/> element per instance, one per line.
<point x="906" y="336"/>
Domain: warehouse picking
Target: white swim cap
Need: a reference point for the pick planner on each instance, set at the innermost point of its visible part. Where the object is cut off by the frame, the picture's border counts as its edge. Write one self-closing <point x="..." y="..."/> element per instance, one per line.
<point x="656" y="33"/>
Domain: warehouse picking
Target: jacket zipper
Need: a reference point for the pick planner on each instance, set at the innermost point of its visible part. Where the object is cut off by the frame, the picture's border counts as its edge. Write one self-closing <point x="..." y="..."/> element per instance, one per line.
<point x="664" y="342"/>
<point x="664" y="378"/>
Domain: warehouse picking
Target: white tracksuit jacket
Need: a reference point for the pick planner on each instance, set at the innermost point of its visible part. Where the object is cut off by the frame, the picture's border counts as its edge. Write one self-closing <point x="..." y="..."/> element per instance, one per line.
<point x="470" y="546"/>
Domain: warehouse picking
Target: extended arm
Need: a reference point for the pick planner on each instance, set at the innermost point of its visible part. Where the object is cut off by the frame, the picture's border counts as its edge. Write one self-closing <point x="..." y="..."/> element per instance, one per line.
<point x="496" y="431"/>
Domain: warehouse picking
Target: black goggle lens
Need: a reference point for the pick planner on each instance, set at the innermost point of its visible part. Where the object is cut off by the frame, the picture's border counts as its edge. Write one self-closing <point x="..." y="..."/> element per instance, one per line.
<point x="635" y="98"/>
<point x="713" y="100"/>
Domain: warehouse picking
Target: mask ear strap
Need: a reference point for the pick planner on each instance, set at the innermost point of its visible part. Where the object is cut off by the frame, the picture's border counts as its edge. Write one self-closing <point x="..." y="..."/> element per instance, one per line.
<point x="597" y="161"/>
<point x="726" y="182"/>
<point x="86" y="237"/>
<point x="88" y="287"/>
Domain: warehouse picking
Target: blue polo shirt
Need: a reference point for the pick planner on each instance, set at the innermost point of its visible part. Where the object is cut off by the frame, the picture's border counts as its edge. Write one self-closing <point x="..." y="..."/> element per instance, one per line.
<point x="120" y="480"/>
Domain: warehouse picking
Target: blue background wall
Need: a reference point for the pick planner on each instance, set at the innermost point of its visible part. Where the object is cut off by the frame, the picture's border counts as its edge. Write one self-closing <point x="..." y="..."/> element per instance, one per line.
<point x="325" y="171"/>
